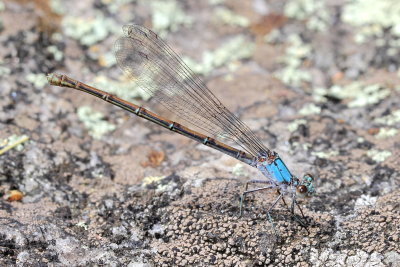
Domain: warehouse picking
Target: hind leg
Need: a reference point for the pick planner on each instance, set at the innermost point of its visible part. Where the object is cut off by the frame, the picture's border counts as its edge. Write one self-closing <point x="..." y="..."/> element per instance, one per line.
<point x="269" y="215"/>
<point x="253" y="191"/>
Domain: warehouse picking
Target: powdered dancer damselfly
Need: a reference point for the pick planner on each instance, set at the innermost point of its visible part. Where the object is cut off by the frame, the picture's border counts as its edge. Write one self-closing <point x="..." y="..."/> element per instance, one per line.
<point x="157" y="69"/>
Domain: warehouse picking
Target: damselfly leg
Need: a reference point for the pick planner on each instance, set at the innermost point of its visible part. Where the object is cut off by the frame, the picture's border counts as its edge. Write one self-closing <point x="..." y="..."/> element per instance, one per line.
<point x="270" y="186"/>
<point x="302" y="221"/>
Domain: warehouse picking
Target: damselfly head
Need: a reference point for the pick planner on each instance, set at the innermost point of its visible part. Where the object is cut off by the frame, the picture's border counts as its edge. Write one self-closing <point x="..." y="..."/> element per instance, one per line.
<point x="305" y="187"/>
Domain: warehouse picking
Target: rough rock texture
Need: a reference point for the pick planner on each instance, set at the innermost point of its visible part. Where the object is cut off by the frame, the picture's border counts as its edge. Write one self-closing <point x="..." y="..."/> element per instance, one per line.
<point x="317" y="81"/>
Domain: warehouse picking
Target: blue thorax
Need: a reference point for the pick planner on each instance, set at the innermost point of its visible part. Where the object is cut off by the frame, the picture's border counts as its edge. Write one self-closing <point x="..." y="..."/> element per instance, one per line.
<point x="275" y="168"/>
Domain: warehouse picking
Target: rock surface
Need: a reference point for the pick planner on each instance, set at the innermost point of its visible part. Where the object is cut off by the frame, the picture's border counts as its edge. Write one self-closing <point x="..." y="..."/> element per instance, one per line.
<point x="317" y="82"/>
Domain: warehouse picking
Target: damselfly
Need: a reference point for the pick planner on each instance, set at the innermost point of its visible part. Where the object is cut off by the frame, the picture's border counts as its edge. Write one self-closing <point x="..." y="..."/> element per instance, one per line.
<point x="158" y="70"/>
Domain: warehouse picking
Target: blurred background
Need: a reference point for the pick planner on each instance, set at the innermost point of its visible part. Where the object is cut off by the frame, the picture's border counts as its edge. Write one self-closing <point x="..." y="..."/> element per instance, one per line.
<point x="83" y="182"/>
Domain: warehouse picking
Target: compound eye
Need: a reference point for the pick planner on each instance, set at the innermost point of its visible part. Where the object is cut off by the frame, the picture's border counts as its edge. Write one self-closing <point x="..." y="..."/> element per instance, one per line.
<point x="302" y="189"/>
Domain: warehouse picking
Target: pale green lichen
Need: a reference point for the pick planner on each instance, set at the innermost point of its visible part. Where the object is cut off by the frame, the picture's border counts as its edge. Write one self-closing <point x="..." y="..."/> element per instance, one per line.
<point x="293" y="77"/>
<point x="2" y="8"/>
<point x="161" y="187"/>
<point x="295" y="54"/>
<point x="58" y="7"/>
<point x="238" y="170"/>
<point x="126" y="90"/>
<point x="168" y="16"/>
<point x="94" y="122"/>
<point x="273" y="37"/>
<point x="297" y="50"/>
<point x="106" y="59"/>
<point x="115" y="5"/>
<point x="386" y="133"/>
<point x="310" y="109"/>
<point x="58" y="37"/>
<point x="365" y="200"/>
<point x="151" y="179"/>
<point x="89" y="30"/>
<point x="356" y="93"/>
<point x="215" y="2"/>
<point x="360" y="139"/>
<point x="314" y="12"/>
<point x="325" y="154"/>
<point x="97" y="173"/>
<point x="373" y="18"/>
<point x="306" y="146"/>
<point x="391" y="119"/>
<point x="82" y="224"/>
<point x="235" y="49"/>
<point x="319" y="94"/>
<point x="374" y="21"/>
<point x="296" y="146"/>
<point x="38" y="80"/>
<point x="226" y="16"/>
<point x="295" y="124"/>
<point x="379" y="155"/>
<point x="4" y="71"/>
<point x="369" y="95"/>
<point x="58" y="55"/>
